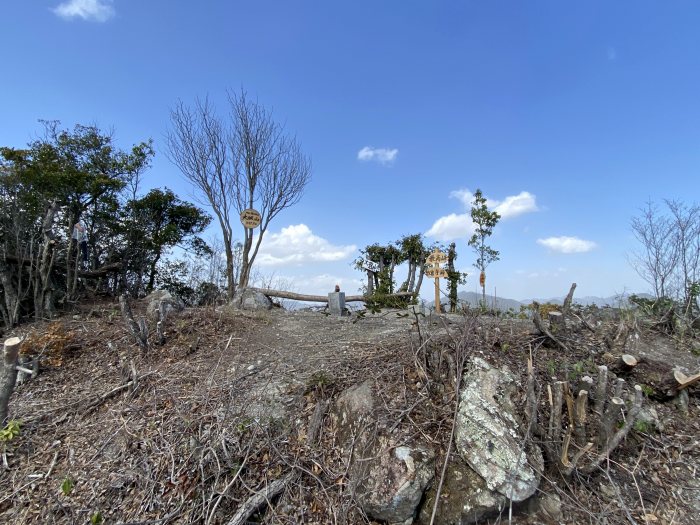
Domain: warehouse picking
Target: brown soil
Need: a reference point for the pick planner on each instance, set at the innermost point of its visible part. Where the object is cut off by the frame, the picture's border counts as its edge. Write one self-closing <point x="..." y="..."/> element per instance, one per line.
<point x="187" y="431"/>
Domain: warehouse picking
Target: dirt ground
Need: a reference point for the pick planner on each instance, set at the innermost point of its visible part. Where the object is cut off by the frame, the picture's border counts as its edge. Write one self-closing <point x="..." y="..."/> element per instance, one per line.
<point x="187" y="431"/>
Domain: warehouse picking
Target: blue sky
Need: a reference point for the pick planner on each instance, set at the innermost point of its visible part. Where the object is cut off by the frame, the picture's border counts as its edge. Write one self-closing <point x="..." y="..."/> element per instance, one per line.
<point x="568" y="116"/>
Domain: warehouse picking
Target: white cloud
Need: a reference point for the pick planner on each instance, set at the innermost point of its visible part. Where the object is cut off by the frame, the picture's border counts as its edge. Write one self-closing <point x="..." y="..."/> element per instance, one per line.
<point x="454" y="226"/>
<point x="515" y="205"/>
<point x="511" y="206"/>
<point x="95" y="10"/>
<point x="381" y="155"/>
<point x="565" y="244"/>
<point x="465" y="196"/>
<point x="296" y="244"/>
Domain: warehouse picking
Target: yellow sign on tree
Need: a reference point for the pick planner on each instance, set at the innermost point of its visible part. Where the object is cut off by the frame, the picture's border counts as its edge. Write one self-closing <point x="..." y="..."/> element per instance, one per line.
<point x="250" y="218"/>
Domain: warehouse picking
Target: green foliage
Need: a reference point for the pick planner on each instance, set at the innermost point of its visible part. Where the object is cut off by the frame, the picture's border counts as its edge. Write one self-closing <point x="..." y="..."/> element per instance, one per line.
<point x="96" y="518"/>
<point x="378" y="300"/>
<point x="320" y="381"/>
<point x="174" y="277"/>
<point x="551" y="367"/>
<point x="655" y="307"/>
<point x="647" y="390"/>
<point x="542" y="308"/>
<point x="578" y="369"/>
<point x="644" y="427"/>
<point x="485" y="222"/>
<point x="67" y="486"/>
<point x="11" y="431"/>
<point x="66" y="176"/>
<point x="157" y="222"/>
<point x="663" y="313"/>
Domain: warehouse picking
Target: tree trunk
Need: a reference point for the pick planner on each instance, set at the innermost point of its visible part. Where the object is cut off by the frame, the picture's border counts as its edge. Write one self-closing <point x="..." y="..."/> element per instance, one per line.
<point x="71" y="265"/>
<point x="43" y="297"/>
<point x="568" y="300"/>
<point x="245" y="262"/>
<point x="412" y="264"/>
<point x="420" y="279"/>
<point x="453" y="279"/>
<point x="10" y="293"/>
<point x="152" y="274"/>
<point x="230" y="279"/>
<point x="8" y="375"/>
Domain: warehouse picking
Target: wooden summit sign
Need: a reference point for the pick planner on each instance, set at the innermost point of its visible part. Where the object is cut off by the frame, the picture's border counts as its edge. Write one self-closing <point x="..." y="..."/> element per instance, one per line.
<point x="250" y="218"/>
<point x="435" y="270"/>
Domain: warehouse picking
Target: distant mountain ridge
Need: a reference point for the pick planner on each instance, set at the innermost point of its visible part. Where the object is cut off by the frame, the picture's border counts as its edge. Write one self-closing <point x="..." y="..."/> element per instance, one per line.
<point x="501" y="303"/>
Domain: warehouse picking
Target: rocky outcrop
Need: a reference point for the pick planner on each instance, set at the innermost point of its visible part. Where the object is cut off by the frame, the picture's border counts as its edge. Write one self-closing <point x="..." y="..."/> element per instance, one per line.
<point x="249" y="299"/>
<point x="391" y="487"/>
<point x="155" y="299"/>
<point x="492" y="463"/>
<point x="490" y="438"/>
<point x="464" y="498"/>
<point x="388" y="479"/>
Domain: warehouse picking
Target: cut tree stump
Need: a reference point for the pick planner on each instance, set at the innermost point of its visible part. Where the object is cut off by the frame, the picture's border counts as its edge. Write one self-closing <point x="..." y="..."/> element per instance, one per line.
<point x="628" y="361"/>
<point x="8" y="375"/>
<point x="557" y="322"/>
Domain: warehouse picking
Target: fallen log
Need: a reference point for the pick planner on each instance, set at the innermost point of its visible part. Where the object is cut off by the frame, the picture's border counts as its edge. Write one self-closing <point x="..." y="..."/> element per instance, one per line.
<point x="102" y="271"/>
<point x="319" y="298"/>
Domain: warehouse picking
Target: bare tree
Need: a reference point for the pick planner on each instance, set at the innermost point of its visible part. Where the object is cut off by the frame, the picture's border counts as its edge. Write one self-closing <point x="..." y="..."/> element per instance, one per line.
<point x="657" y="259"/>
<point x="197" y="144"/>
<point x="247" y="161"/>
<point x="270" y="171"/>
<point x="685" y="222"/>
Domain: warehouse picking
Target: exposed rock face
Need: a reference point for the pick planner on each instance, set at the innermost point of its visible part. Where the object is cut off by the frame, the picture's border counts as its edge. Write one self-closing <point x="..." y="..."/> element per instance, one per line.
<point x="354" y="409"/>
<point x="547" y="505"/>
<point x="394" y="482"/>
<point x="388" y="480"/>
<point x="488" y="436"/>
<point x="247" y="299"/>
<point x="154" y="299"/>
<point x="465" y="498"/>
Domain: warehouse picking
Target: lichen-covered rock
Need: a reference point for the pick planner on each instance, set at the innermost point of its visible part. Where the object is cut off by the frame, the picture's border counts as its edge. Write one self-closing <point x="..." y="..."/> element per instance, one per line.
<point x="249" y="299"/>
<point x="388" y="480"/>
<point x="488" y="437"/>
<point x="464" y="498"/>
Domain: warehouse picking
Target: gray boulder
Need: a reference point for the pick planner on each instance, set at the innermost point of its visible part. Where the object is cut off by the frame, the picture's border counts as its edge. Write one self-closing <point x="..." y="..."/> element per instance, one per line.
<point x="488" y="435"/>
<point x="155" y="299"/>
<point x="250" y="299"/>
<point x="388" y="480"/>
<point x="464" y="498"/>
<point x="392" y="485"/>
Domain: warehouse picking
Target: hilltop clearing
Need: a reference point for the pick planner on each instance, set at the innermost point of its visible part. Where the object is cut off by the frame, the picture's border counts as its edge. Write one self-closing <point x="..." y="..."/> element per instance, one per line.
<point x="240" y="417"/>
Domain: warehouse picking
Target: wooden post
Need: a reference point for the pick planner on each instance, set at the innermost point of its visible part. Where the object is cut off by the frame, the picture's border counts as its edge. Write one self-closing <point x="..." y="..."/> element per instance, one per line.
<point x="437" y="294"/>
<point x="8" y="375"/>
<point x="434" y="260"/>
